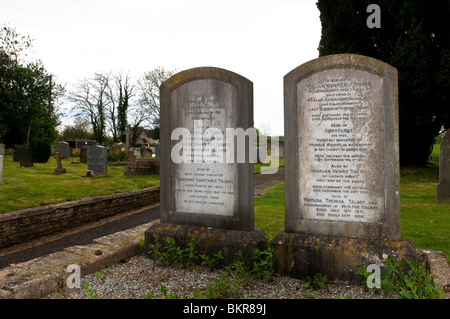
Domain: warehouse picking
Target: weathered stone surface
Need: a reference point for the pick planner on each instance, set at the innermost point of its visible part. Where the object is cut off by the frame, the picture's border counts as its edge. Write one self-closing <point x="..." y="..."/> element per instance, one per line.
<point x="341" y="137"/>
<point x="204" y="189"/>
<point x="342" y="203"/>
<point x="298" y="255"/>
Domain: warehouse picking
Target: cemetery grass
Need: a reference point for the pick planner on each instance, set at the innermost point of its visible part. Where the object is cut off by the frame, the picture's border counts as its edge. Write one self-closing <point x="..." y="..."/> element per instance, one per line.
<point x="423" y="221"/>
<point x="27" y="187"/>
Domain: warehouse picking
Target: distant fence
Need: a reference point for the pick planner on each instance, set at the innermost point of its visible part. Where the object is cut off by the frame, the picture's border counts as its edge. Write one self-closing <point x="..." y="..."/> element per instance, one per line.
<point x="27" y="224"/>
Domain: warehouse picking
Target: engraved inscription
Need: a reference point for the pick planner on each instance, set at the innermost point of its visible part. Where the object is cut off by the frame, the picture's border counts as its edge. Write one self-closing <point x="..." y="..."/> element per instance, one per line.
<point x="207" y="184"/>
<point x="341" y="125"/>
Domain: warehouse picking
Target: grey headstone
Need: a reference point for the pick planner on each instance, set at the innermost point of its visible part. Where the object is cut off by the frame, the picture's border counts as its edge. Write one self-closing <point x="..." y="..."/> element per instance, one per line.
<point x="25" y="155"/>
<point x="83" y="154"/>
<point x="64" y="150"/>
<point x="157" y="150"/>
<point x="2" y="149"/>
<point x="204" y="195"/>
<point x="341" y="164"/>
<point x="1" y="169"/>
<point x="215" y="194"/>
<point x="341" y="137"/>
<point x="443" y="188"/>
<point x="97" y="160"/>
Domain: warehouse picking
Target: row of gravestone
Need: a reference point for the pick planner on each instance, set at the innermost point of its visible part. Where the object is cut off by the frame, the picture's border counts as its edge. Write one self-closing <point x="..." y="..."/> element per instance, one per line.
<point x="341" y="162"/>
<point x="94" y="156"/>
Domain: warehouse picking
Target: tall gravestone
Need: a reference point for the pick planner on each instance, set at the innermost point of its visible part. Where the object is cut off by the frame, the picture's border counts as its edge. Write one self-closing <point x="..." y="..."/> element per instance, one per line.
<point x="64" y="150"/>
<point x="2" y="149"/>
<point x="97" y="157"/>
<point x="202" y="194"/>
<point x="25" y="155"/>
<point x="443" y="188"/>
<point x="342" y="168"/>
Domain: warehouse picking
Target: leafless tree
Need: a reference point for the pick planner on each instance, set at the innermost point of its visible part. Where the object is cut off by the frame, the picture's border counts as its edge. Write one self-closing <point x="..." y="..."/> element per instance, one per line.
<point x="121" y="91"/>
<point x="149" y="85"/>
<point x="91" y="99"/>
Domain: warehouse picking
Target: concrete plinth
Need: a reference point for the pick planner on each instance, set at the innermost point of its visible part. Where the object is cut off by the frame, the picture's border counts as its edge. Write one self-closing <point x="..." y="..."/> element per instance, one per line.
<point x="299" y="255"/>
<point x="211" y="240"/>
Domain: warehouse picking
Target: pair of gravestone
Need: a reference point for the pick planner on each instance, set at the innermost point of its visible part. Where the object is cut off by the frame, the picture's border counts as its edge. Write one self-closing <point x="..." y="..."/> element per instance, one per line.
<point x="341" y="163"/>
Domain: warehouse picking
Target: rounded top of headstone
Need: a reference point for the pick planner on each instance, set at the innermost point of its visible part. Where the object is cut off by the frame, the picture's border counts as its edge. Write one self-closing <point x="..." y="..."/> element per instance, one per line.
<point x="353" y="61"/>
<point x="205" y="72"/>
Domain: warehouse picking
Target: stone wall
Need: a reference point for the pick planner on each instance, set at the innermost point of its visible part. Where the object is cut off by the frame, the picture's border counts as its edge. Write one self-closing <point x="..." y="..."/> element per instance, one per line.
<point x="31" y="223"/>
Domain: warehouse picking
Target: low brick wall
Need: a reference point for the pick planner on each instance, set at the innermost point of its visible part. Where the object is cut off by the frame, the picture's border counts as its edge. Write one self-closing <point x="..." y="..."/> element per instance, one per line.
<point x="31" y="223"/>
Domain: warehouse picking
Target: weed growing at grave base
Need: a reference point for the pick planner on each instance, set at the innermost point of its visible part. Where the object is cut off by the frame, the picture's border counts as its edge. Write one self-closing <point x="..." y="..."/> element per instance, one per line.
<point x="317" y="282"/>
<point x="406" y="279"/>
<point x="237" y="275"/>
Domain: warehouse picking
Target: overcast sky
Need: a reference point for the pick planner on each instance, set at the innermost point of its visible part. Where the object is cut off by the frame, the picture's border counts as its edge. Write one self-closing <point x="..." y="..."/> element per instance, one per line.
<point x="261" y="40"/>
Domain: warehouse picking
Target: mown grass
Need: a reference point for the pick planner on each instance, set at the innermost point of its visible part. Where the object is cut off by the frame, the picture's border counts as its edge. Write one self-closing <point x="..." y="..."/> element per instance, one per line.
<point x="26" y="187"/>
<point x="423" y="221"/>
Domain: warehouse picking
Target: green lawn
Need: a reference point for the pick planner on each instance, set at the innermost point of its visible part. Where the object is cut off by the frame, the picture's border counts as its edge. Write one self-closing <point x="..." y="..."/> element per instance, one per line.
<point x="424" y="222"/>
<point x="38" y="185"/>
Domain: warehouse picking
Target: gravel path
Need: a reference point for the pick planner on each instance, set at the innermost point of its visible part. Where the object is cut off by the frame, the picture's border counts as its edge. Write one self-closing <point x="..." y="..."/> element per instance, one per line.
<point x="140" y="277"/>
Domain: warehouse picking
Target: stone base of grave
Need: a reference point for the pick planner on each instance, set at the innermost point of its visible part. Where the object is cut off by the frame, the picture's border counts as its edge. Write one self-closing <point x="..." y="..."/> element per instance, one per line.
<point x="301" y="255"/>
<point x="142" y="167"/>
<point x="210" y="240"/>
<point x="60" y="171"/>
<point x="443" y="193"/>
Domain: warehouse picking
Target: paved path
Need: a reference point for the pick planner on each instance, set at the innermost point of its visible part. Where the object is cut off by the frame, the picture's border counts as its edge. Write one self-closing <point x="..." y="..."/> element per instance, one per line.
<point x="86" y="234"/>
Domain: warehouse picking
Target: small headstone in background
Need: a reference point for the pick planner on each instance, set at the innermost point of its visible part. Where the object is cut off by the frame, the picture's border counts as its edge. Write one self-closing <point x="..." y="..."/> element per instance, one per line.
<point x="83" y="154"/>
<point x="206" y="196"/>
<point x="25" y="155"/>
<point x="342" y="201"/>
<point x="64" y="150"/>
<point x="97" y="157"/>
<point x="443" y="188"/>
